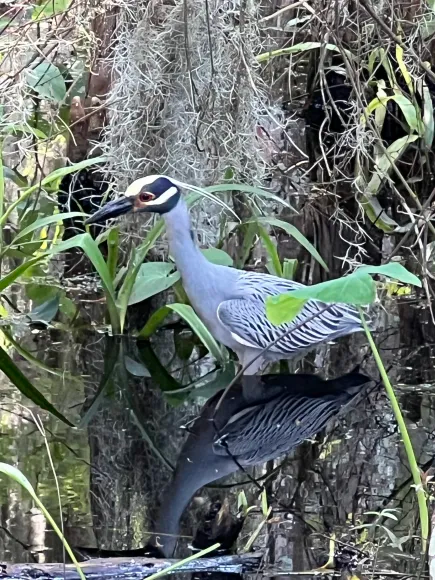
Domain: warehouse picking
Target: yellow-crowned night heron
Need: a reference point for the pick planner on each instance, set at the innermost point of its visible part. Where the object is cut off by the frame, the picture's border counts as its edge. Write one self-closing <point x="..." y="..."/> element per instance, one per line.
<point x="282" y="412"/>
<point x="231" y="302"/>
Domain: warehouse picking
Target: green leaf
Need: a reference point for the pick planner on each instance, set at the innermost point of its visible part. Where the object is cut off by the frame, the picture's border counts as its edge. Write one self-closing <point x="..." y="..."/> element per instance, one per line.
<point x="357" y="289"/>
<point x="283" y="309"/>
<point x="218" y="257"/>
<point x="152" y="278"/>
<point x="26" y="130"/>
<point x="86" y="243"/>
<point x="15" y="474"/>
<point x="408" y="110"/>
<point x="154" y="321"/>
<point x="19" y="270"/>
<point x="189" y="315"/>
<point x="393" y="270"/>
<point x="377" y="215"/>
<point x="15" y="177"/>
<point x="289" y="268"/>
<point x="191" y="558"/>
<point x="275" y="264"/>
<point x="22" y="480"/>
<point x="229" y="187"/>
<point x="49" y="8"/>
<point x="135" y="368"/>
<point x="296" y="234"/>
<point x="428" y="116"/>
<point x="379" y="102"/>
<point x="56" y="175"/>
<point x="385" y="163"/>
<point x="112" y="251"/>
<point x="159" y="372"/>
<point x="46" y="311"/>
<point x="30" y="358"/>
<point x="47" y="80"/>
<point x="300" y="47"/>
<point x="134" y="265"/>
<point x="14" y="374"/>
<point x="402" y="66"/>
<point x="51" y="219"/>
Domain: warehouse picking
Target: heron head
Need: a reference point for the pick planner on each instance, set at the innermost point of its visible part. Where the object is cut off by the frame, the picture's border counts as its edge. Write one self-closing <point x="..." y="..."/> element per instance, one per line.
<point x="154" y="193"/>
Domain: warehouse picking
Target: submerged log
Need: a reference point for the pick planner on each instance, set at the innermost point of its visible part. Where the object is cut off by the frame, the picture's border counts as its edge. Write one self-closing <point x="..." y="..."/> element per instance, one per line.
<point x="129" y="568"/>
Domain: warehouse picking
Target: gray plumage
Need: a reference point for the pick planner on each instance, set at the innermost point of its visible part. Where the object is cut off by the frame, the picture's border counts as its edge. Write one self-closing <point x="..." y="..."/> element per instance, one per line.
<point x="230" y="302"/>
<point x="282" y="411"/>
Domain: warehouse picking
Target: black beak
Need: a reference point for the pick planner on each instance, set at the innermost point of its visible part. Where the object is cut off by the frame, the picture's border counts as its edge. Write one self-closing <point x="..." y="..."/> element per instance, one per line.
<point x="112" y="209"/>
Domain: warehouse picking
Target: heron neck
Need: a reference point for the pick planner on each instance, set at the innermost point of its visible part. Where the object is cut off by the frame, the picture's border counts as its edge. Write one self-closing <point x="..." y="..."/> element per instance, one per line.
<point x="182" y="244"/>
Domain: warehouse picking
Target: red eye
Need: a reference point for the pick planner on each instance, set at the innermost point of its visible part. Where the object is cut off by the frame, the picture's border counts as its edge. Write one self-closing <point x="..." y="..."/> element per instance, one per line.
<point x="146" y="196"/>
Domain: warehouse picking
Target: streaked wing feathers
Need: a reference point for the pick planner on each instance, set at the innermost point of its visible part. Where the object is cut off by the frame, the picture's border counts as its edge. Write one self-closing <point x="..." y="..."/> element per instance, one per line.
<point x="246" y="317"/>
<point x="264" y="432"/>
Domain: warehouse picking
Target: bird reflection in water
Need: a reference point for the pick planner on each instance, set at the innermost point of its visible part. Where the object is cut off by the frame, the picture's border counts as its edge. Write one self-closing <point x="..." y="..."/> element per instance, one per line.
<point x="261" y="419"/>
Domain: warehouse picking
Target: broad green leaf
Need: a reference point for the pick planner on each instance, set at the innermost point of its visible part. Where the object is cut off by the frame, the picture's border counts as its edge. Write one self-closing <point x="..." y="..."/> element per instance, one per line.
<point x="48" y="8"/>
<point x="300" y="47"/>
<point x="14" y="374"/>
<point x="51" y="219"/>
<point x="153" y="323"/>
<point x="393" y="270"/>
<point x="216" y="256"/>
<point x="135" y="368"/>
<point x="46" y="311"/>
<point x="377" y="215"/>
<point x="408" y="110"/>
<point x="384" y="165"/>
<point x="152" y="278"/>
<point x="406" y="106"/>
<point x="274" y="264"/>
<point x="379" y="102"/>
<point x="26" y="130"/>
<point x="55" y="175"/>
<point x="296" y="234"/>
<point x="188" y="314"/>
<point x="47" y="80"/>
<point x="283" y="309"/>
<point x="428" y="116"/>
<point x="357" y="289"/>
<point x="22" y="480"/>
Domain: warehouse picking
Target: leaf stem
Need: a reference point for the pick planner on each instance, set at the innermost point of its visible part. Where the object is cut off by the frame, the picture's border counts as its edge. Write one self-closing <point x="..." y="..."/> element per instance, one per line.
<point x="415" y="470"/>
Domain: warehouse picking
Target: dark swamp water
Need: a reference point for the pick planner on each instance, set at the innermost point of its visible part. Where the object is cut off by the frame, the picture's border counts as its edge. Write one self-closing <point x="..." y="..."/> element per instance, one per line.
<point x="113" y="469"/>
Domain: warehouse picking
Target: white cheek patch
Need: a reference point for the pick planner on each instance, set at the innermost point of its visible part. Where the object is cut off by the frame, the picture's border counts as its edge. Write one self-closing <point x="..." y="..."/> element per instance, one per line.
<point x="164" y="197"/>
